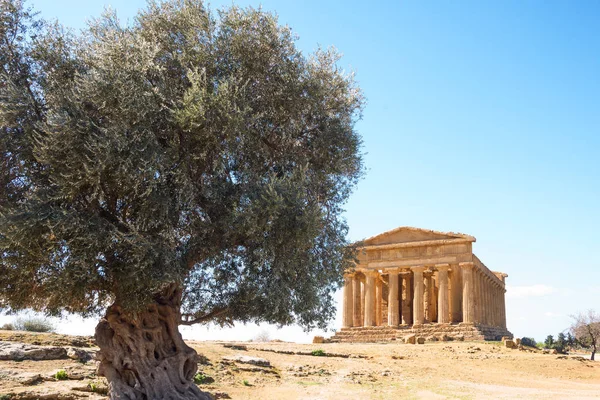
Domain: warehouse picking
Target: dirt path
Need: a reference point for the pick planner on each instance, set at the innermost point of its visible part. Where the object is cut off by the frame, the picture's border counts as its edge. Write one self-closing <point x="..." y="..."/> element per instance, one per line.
<point x="438" y="370"/>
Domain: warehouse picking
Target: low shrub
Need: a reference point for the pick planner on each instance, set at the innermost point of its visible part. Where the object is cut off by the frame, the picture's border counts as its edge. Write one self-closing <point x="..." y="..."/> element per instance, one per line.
<point x="8" y="327"/>
<point x="318" y="353"/>
<point x="98" y="387"/>
<point x="61" y="375"/>
<point x="33" y="324"/>
<point x="201" y="379"/>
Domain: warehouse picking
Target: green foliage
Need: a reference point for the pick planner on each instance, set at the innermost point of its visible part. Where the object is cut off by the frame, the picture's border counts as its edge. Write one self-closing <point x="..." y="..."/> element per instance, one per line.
<point x="8" y="327"/>
<point x="561" y="343"/>
<point x="189" y="149"/>
<point x="246" y="383"/>
<point x="526" y="341"/>
<point x="6" y="396"/>
<point x="61" y="375"/>
<point x="549" y="342"/>
<point x="202" y="379"/>
<point x="34" y="324"/>
<point x="318" y="353"/>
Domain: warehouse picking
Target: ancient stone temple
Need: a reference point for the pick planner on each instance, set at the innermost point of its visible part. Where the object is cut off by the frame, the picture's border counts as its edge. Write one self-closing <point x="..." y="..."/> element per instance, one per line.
<point x="411" y="280"/>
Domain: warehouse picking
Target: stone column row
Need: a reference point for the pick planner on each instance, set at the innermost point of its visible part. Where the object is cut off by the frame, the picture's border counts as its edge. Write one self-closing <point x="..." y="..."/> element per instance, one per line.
<point x="463" y="294"/>
<point x="483" y="298"/>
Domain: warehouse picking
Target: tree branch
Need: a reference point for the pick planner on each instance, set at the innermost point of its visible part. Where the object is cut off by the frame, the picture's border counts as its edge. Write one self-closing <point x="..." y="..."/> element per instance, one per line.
<point x="203" y="318"/>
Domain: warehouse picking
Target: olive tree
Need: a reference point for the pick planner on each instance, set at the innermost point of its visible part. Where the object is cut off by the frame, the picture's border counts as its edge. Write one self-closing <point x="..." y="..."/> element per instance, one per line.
<point x="189" y="166"/>
<point x="586" y="331"/>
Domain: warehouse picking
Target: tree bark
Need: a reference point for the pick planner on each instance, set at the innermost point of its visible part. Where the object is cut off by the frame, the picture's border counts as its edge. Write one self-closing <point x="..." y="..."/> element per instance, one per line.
<point x="143" y="356"/>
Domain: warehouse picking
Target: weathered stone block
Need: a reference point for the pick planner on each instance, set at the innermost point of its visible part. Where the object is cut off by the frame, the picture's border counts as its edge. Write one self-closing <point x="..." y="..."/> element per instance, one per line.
<point x="509" y="344"/>
<point x="410" y="339"/>
<point x="318" y="339"/>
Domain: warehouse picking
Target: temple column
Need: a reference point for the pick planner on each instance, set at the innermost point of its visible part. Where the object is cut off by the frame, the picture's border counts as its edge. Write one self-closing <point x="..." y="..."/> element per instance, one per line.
<point x="482" y="292"/>
<point x="378" y="301"/>
<point x="490" y="296"/>
<point x="393" y="299"/>
<point x="495" y="308"/>
<point x="467" y="275"/>
<point x="482" y="297"/>
<point x="363" y="293"/>
<point x="356" y="315"/>
<point x="486" y="302"/>
<point x="370" y="298"/>
<point x="426" y="295"/>
<point x="503" y="304"/>
<point x="433" y="299"/>
<point x="476" y="296"/>
<point x="492" y="312"/>
<point x="418" y="309"/>
<point x="456" y="294"/>
<point x="348" y="315"/>
<point x="443" y="306"/>
<point x="499" y="322"/>
<point x="406" y="299"/>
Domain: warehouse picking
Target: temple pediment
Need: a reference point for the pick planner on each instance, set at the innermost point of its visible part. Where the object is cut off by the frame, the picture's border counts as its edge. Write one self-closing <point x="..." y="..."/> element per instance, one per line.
<point x="407" y="234"/>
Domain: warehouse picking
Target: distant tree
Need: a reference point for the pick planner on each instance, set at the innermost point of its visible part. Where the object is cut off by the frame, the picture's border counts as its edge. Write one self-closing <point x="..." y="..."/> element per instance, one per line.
<point x="570" y="340"/>
<point x="561" y="343"/>
<point x="586" y="330"/>
<point x="549" y="342"/>
<point x="185" y="168"/>
<point x="263" y="336"/>
<point x="527" y="341"/>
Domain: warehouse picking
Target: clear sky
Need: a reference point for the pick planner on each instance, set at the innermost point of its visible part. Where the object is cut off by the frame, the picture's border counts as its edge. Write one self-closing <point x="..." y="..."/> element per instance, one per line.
<point x="482" y="118"/>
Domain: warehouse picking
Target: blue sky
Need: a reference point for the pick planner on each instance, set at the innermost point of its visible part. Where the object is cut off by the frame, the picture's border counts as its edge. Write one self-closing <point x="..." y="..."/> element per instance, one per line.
<point x="482" y="118"/>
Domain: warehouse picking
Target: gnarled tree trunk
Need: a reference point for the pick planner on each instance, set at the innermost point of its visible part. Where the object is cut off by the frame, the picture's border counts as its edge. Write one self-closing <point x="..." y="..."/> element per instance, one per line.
<point x="144" y="356"/>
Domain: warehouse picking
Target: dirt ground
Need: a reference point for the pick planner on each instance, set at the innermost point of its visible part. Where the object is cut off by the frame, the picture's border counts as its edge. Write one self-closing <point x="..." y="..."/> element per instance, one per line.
<point x="438" y="370"/>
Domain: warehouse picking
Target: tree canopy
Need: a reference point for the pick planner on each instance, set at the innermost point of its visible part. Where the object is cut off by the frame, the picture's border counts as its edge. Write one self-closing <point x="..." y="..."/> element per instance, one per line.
<point x="189" y="148"/>
<point x="586" y="330"/>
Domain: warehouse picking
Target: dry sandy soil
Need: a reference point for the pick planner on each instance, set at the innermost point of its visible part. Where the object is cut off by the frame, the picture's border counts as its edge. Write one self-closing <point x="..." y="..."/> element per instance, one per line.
<point x="439" y="370"/>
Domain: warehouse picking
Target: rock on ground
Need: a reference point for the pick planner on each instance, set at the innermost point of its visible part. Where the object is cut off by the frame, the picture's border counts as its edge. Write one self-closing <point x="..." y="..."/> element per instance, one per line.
<point x="21" y="351"/>
<point x="248" y="360"/>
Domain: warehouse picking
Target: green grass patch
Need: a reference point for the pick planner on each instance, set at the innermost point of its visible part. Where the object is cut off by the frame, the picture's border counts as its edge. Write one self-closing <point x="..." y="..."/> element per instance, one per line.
<point x="61" y="375"/>
<point x="202" y="379"/>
